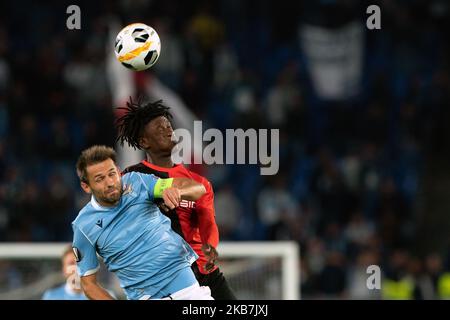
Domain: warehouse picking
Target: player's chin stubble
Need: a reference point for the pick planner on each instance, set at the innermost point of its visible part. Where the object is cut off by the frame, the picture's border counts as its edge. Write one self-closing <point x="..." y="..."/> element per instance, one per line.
<point x="114" y="198"/>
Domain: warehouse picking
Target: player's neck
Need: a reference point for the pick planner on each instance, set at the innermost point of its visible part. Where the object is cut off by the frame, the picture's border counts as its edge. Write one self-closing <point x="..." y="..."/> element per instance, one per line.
<point x="160" y="161"/>
<point x="105" y="204"/>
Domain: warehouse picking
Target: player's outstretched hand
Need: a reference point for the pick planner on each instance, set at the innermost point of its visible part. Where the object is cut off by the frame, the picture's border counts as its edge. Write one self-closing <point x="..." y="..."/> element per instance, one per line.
<point x="172" y="197"/>
<point x="211" y="254"/>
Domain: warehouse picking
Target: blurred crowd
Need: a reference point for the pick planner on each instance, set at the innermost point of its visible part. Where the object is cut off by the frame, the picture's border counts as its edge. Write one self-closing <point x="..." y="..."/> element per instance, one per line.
<point x="349" y="181"/>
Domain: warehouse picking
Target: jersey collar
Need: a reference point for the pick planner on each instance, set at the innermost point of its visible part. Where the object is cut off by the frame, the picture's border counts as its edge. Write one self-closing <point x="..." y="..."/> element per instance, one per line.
<point x="158" y="168"/>
<point x="95" y="204"/>
<point x="99" y="207"/>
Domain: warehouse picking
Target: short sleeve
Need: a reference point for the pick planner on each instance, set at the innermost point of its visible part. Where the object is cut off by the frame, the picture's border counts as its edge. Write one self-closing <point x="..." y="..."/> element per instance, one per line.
<point x="87" y="262"/>
<point x="149" y="182"/>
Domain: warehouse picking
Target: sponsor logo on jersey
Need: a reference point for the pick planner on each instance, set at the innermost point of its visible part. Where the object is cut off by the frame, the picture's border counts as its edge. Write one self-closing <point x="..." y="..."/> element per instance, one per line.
<point x="187" y="204"/>
<point x="127" y="189"/>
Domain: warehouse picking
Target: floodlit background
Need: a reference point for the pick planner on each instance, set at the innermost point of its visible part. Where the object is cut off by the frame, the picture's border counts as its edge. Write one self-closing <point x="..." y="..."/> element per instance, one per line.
<point x="363" y="115"/>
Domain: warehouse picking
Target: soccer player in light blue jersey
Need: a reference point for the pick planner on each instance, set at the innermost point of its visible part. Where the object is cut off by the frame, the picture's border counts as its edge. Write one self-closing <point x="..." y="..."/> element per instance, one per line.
<point x="70" y="290"/>
<point x="122" y="225"/>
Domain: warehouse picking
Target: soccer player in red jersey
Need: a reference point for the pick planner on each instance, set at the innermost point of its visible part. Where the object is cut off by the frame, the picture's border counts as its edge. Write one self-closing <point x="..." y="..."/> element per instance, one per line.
<point x="147" y="126"/>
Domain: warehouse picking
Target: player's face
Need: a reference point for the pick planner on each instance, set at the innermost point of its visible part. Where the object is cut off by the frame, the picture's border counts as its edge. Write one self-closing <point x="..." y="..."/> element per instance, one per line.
<point x="157" y="136"/>
<point x="69" y="264"/>
<point x="104" y="182"/>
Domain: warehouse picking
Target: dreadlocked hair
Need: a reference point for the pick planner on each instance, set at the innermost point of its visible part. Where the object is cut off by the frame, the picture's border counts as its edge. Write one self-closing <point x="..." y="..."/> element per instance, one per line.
<point x="131" y="125"/>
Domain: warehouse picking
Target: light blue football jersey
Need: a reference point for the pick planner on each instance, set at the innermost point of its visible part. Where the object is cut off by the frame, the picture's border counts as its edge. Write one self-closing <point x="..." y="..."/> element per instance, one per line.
<point x="135" y="240"/>
<point x="63" y="292"/>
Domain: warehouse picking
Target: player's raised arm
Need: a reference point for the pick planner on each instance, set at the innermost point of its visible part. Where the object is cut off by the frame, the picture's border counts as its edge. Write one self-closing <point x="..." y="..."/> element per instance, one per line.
<point x="173" y="190"/>
<point x="209" y="231"/>
<point x="190" y="189"/>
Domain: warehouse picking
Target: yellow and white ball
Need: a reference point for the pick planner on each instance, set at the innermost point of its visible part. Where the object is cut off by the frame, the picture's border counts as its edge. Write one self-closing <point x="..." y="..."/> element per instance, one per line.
<point x="137" y="46"/>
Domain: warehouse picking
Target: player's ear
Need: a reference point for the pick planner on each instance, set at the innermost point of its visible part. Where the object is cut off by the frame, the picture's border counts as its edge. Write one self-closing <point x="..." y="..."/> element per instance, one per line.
<point x="85" y="187"/>
<point x="143" y="142"/>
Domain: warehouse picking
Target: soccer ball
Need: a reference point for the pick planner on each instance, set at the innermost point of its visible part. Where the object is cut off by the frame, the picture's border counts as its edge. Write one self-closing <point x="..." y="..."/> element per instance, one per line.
<point x="137" y="46"/>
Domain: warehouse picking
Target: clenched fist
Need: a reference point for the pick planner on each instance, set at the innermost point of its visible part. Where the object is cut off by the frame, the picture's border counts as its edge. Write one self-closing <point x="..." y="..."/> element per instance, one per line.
<point x="172" y="197"/>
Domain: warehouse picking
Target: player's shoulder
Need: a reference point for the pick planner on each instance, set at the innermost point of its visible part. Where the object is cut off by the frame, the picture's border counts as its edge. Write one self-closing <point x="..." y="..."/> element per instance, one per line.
<point x="86" y="213"/>
<point x="199" y="178"/>
<point x="138" y="167"/>
<point x="134" y="177"/>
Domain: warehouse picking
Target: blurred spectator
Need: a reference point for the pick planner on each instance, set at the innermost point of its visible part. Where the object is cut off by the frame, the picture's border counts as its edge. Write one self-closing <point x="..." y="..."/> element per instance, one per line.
<point x="228" y="212"/>
<point x="277" y="208"/>
<point x="315" y="255"/>
<point x="333" y="278"/>
<point x="328" y="186"/>
<point x="71" y="288"/>
<point x="28" y="142"/>
<point x="358" y="230"/>
<point x="433" y="270"/>
<point x="398" y="283"/>
<point x="59" y="144"/>
<point x="357" y="276"/>
<point x="392" y="211"/>
<point x="283" y="97"/>
<point x="58" y="203"/>
<point x="436" y="282"/>
<point x="333" y="238"/>
<point x="171" y="64"/>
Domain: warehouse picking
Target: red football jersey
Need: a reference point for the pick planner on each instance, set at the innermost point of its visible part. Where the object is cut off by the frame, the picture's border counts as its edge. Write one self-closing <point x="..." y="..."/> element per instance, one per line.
<point x="193" y="220"/>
